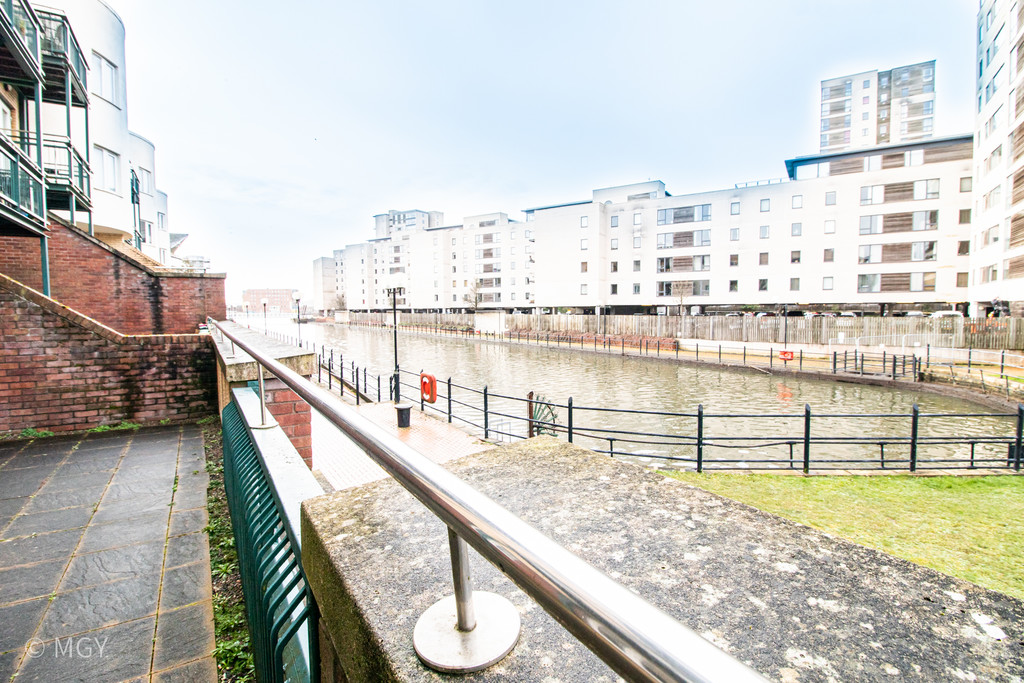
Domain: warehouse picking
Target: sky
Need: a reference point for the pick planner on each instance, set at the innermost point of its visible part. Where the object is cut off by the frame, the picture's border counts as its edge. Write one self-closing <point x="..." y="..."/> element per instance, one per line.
<point x="281" y="129"/>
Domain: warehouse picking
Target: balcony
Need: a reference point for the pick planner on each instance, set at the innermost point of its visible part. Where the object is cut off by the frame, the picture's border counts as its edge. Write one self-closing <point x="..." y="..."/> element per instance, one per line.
<point x="19" y="43"/>
<point x="60" y="48"/>
<point x="66" y="172"/>
<point x="21" y="191"/>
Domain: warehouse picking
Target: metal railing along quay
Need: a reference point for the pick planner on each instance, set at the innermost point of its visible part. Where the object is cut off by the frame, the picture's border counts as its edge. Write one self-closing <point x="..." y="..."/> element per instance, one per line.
<point x="632" y="636"/>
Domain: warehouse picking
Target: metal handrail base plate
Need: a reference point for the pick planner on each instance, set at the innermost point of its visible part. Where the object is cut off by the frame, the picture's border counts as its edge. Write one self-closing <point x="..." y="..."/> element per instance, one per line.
<point x="443" y="647"/>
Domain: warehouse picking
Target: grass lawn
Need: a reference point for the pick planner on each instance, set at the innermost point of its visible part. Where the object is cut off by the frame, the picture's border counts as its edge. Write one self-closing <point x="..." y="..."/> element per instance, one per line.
<point x="968" y="527"/>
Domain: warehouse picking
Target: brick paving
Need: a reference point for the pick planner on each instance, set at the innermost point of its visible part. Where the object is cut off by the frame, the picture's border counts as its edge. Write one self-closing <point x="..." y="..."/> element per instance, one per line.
<point x="343" y="465"/>
<point x="104" y="567"/>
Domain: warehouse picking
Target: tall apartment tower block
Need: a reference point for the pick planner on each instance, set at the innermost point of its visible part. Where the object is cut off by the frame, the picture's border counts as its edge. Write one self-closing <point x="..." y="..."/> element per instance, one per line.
<point x="878" y="107"/>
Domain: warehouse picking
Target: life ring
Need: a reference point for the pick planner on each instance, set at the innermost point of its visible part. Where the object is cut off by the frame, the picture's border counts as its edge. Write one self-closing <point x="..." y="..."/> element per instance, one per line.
<point x="428" y="387"/>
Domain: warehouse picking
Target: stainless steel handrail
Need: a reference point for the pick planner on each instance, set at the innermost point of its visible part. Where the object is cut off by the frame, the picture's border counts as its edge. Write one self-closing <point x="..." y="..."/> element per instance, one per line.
<point x="635" y="638"/>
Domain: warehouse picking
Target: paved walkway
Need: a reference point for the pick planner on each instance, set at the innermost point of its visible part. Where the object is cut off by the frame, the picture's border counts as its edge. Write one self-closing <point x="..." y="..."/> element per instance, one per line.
<point x="343" y="465"/>
<point x="104" y="567"/>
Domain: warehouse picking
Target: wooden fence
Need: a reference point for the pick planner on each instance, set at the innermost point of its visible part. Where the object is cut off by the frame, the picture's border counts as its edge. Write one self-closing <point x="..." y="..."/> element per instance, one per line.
<point x="910" y="332"/>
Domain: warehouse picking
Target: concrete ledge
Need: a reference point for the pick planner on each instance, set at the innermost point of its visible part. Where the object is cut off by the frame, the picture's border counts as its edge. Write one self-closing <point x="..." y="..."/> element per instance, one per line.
<point x="240" y="367"/>
<point x="794" y="603"/>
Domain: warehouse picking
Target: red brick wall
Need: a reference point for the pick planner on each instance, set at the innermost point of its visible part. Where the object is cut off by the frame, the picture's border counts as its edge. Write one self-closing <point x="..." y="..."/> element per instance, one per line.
<point x="92" y="278"/>
<point x="293" y="415"/>
<point x="61" y="371"/>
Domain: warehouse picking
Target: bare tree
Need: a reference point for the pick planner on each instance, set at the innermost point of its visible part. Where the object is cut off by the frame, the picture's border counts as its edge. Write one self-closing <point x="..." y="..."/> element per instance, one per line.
<point x="472" y="297"/>
<point x="338" y="303"/>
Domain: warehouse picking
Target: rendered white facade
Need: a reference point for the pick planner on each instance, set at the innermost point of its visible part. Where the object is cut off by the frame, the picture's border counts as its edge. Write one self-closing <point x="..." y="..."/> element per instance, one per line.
<point x="874" y="108"/>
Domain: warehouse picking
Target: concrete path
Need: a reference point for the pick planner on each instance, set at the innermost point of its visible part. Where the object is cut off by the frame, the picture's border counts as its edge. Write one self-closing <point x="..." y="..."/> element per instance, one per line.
<point x="104" y="567"/>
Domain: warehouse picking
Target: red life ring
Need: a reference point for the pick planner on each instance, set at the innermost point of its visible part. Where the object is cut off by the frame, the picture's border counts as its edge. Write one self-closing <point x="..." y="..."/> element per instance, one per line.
<point x="428" y="387"/>
<point x="785" y="355"/>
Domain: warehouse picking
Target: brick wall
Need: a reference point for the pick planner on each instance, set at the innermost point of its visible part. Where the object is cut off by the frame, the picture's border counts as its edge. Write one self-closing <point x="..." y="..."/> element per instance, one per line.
<point x="110" y="287"/>
<point x="293" y="415"/>
<point x="62" y="371"/>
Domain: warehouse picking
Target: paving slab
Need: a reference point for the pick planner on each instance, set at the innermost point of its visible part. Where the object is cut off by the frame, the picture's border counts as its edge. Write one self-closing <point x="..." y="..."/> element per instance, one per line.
<point x="84" y="528"/>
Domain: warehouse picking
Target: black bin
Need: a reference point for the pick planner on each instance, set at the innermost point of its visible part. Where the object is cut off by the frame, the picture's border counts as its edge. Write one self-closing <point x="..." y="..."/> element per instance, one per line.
<point x="404" y="414"/>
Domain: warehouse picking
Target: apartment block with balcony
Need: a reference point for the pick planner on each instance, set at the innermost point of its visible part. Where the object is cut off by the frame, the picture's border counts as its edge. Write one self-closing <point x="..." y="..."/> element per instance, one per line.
<point x="22" y="200"/>
<point x="874" y="108"/>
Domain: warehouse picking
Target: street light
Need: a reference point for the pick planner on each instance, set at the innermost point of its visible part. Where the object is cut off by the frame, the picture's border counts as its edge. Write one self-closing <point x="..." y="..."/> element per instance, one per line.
<point x="394" y="292"/>
<point x="298" y="313"/>
<point x="264" y="302"/>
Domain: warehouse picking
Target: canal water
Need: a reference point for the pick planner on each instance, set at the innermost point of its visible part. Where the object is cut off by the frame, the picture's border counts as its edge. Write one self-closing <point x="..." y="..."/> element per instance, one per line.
<point x="766" y="412"/>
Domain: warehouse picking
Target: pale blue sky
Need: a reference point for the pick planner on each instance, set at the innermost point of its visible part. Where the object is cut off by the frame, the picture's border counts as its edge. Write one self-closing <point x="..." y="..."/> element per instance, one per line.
<point x="281" y="128"/>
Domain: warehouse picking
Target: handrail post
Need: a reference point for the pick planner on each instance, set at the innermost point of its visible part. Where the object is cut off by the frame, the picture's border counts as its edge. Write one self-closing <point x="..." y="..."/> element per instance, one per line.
<point x="700" y="438"/>
<point x="807" y="438"/>
<point x="915" y="416"/>
<point x="463" y="583"/>
<point x="569" y="405"/>
<point x="486" y="422"/>
<point x="1020" y="431"/>
<point x="263" y="400"/>
<point x="449" y="400"/>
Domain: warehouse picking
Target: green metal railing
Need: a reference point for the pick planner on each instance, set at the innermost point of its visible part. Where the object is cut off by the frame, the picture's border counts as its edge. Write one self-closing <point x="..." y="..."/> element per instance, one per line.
<point x="63" y="163"/>
<point x="18" y="182"/>
<point x="59" y="39"/>
<point x="281" y="611"/>
<point x="24" y="22"/>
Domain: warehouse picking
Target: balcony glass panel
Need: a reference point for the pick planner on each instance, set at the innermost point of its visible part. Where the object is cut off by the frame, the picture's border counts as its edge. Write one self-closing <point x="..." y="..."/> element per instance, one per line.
<point x="21" y="19"/>
<point x="57" y="39"/>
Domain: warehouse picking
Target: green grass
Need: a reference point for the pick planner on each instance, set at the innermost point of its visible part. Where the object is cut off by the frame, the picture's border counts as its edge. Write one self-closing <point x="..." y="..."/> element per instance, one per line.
<point x="31" y="433"/>
<point x="231" y="632"/>
<point x="124" y="424"/>
<point x="968" y="527"/>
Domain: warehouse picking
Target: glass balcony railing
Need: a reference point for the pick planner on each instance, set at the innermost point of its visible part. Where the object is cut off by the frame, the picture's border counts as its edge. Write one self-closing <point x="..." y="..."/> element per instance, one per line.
<point x="19" y="182"/>
<point x="59" y="39"/>
<point x="62" y="163"/>
<point x="24" y="23"/>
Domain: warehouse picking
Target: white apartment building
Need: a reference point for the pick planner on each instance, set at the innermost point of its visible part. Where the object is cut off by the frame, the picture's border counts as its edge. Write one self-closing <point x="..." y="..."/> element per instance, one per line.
<point x="882" y="229"/>
<point x="875" y="108"/>
<point x="997" y="236"/>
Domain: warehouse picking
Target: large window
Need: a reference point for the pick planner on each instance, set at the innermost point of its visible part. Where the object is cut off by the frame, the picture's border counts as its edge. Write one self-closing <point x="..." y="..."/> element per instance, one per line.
<point x="922" y="251"/>
<point x="926" y="189"/>
<point x="145" y="181"/>
<point x="105" y="165"/>
<point x="701" y="238"/>
<point x="104" y="78"/>
<point x="871" y="225"/>
<point x="868" y="283"/>
<point x="870" y="253"/>
<point x="685" y="214"/>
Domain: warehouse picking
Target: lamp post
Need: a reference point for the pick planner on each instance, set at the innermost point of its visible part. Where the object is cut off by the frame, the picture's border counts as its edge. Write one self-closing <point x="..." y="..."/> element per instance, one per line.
<point x="394" y="292"/>
<point x="298" y="313"/>
<point x="265" y="328"/>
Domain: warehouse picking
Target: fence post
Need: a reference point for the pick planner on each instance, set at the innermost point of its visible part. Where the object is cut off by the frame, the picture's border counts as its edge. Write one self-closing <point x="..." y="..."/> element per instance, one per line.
<point x="928" y="356"/>
<point x="844" y="360"/>
<point x="744" y="354"/>
<point x="834" y="358"/>
<point x="801" y="360"/>
<point x="771" y="357"/>
<point x="355" y="381"/>
<point x="378" y="388"/>
<point x="894" y="368"/>
<point x="486" y="417"/>
<point x="1020" y="430"/>
<point x="330" y="371"/>
<point x="914" y="418"/>
<point x="529" y="415"/>
<point x="719" y="354"/>
<point x="700" y="438"/>
<point x="697" y="347"/>
<point x="1002" y="361"/>
<point x="969" y="350"/>
<point x="570" y="418"/>
<point x="807" y="438"/>
<point x="449" y="400"/>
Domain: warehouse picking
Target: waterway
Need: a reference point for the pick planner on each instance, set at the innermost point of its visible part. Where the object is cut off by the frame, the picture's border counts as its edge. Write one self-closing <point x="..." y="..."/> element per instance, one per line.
<point x="772" y="406"/>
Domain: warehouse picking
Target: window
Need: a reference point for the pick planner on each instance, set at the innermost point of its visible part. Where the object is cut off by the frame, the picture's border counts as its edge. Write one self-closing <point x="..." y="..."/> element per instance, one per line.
<point x="926" y="189"/>
<point x="105" y="169"/>
<point x="702" y="262"/>
<point x="922" y="251"/>
<point x="583" y="289"/>
<point x="734" y="234"/>
<point x="925" y="220"/>
<point x="104" y="82"/>
<point x="701" y="238"/>
<point x="867" y="84"/>
<point x="145" y="181"/>
<point x="922" y="282"/>
<point x="826" y="283"/>
<point x="615" y="290"/>
<point x="794" y="257"/>
<point x="963" y="248"/>
<point x="734" y="259"/>
<point x="961" y="279"/>
<point x="966" y="184"/>
<point x="665" y="264"/>
<point x="872" y="194"/>
<point x="764" y="232"/>
<point x="664" y="289"/>
<point x="798" y="201"/>
<point x="636" y="287"/>
<point x="685" y="214"/>
<point x="868" y="283"/>
<point x="830" y="198"/>
<point x="615" y="243"/>
<point x="161" y="221"/>
<point x="665" y="240"/>
<point x="762" y="258"/>
<point x="762" y="285"/>
<point x="636" y="266"/>
<point x="734" y="285"/>
<point x="829" y="255"/>
<point x="615" y="221"/>
<point x="870" y="225"/>
<point x="583" y="244"/>
<point x="584" y="221"/>
<point x="797" y="229"/>
<point x="965" y="216"/>
<point x="914" y="157"/>
<point x="637" y="219"/>
<point x="615" y="266"/>
<point x="583" y="266"/>
<point x="869" y="253"/>
<point x="830" y="227"/>
<point x="734" y="209"/>
<point x="765" y="205"/>
<point x="794" y="284"/>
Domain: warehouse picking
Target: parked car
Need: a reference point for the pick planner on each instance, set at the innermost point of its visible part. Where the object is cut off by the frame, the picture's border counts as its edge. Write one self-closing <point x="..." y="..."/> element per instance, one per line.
<point x="947" y="314"/>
